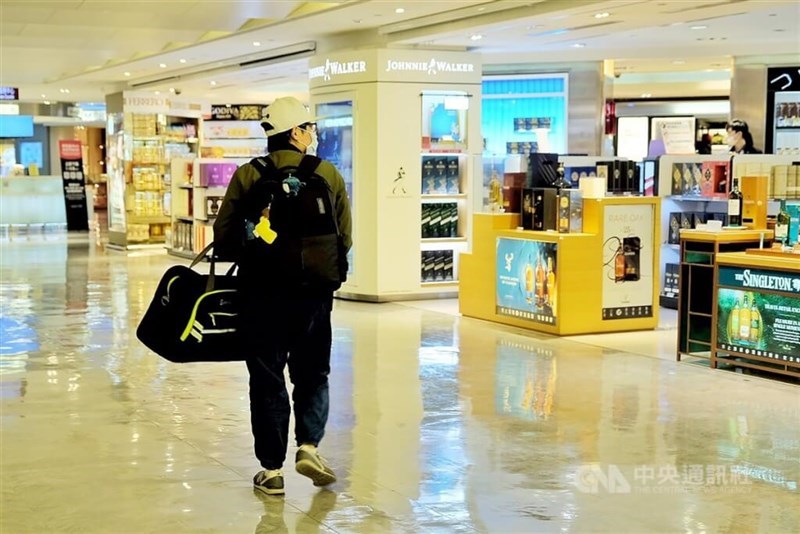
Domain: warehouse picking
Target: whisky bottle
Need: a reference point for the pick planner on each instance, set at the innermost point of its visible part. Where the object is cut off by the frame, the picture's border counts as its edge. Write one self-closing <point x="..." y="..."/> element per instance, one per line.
<point x="561" y="180"/>
<point x="541" y="282"/>
<point x="495" y="193"/>
<point x="619" y="265"/>
<point x="783" y="224"/>
<point x="755" y="324"/>
<point x="733" y="329"/>
<point x="529" y="281"/>
<point x="744" y="320"/>
<point x="735" y="200"/>
<point x="551" y="285"/>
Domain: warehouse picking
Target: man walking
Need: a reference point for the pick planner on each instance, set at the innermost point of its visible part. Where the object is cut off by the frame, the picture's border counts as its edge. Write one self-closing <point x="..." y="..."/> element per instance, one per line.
<point x="286" y="310"/>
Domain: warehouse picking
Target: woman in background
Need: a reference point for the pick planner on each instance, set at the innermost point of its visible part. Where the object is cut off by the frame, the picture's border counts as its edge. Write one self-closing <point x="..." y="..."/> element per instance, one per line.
<point x="739" y="138"/>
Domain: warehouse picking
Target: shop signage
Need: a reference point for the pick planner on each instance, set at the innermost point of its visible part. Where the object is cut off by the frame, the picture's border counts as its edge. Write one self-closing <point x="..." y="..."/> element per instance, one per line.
<point x="9" y="93"/>
<point x="758" y="279"/>
<point x="237" y="112"/>
<point x="74" y="185"/>
<point x="627" y="268"/>
<point x="431" y="67"/>
<point x="336" y="68"/>
<point x="759" y="324"/>
<point x="783" y="79"/>
<point x="180" y="107"/>
<point x="526" y="285"/>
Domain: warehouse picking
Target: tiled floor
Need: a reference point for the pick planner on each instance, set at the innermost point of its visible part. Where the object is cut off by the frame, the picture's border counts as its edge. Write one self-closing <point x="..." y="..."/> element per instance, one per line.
<point x="438" y="423"/>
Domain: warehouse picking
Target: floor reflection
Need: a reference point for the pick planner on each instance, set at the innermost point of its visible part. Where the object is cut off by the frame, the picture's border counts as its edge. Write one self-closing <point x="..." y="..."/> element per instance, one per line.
<point x="437" y="423"/>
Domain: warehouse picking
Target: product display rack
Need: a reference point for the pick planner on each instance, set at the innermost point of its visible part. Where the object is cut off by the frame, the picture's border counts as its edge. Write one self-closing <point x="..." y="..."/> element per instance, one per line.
<point x="683" y="207"/>
<point x="198" y="187"/>
<point x="145" y="134"/>
<point x="443" y="218"/>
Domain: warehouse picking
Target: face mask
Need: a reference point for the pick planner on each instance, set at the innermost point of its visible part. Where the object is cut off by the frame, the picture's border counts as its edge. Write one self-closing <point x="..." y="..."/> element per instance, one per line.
<point x="311" y="149"/>
<point x="730" y="140"/>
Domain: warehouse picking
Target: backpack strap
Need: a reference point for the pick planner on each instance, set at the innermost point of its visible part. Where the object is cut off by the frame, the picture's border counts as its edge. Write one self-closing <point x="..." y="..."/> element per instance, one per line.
<point x="308" y="166"/>
<point x="265" y="167"/>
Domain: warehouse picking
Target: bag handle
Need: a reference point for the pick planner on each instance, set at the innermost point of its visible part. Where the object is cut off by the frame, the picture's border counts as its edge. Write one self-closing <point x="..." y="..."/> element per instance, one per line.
<point x="212" y="262"/>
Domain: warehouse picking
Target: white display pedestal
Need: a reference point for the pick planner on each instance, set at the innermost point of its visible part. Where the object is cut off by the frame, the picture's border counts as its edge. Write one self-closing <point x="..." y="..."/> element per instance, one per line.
<point x="406" y="105"/>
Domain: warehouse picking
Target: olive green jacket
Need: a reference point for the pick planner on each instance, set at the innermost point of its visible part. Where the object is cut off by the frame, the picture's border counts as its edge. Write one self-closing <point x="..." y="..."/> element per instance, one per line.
<point x="247" y="174"/>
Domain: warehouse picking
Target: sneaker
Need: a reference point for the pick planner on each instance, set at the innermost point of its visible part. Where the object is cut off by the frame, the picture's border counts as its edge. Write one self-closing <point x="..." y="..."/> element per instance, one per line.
<point x="269" y="481"/>
<point x="310" y="464"/>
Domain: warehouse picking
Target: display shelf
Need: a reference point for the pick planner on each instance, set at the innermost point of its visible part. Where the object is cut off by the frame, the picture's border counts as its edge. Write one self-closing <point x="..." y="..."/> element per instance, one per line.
<point x="148" y="163"/>
<point x="444" y="240"/>
<point x="455" y="196"/>
<point x="689" y="198"/>
<point x="185" y="218"/>
<point x="148" y="219"/>
<point x="788" y="128"/>
<point x="186" y="254"/>
<point x="186" y="186"/>
<point x="448" y="283"/>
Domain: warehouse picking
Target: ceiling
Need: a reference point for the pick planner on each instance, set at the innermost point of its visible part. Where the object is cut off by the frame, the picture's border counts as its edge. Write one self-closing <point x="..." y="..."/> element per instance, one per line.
<point x="83" y="49"/>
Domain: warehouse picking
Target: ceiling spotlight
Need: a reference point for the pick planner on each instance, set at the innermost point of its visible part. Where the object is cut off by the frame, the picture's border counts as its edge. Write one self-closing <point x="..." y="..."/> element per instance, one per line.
<point x="126" y="74"/>
<point x="213" y="82"/>
<point x="700" y="27"/>
<point x="256" y="43"/>
<point x="481" y="9"/>
<point x="44" y="95"/>
<point x="158" y="92"/>
<point x="646" y="95"/>
<point x="579" y="45"/>
<point x="678" y="62"/>
<point x="46" y="102"/>
<point x="171" y="89"/>
<point x="476" y="37"/>
<point x="162" y="65"/>
<point x="182" y="60"/>
<point x="399" y="10"/>
<point x="602" y="15"/>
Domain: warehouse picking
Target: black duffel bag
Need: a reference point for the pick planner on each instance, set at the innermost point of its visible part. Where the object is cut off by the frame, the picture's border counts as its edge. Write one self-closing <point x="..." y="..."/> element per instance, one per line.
<point x="194" y="317"/>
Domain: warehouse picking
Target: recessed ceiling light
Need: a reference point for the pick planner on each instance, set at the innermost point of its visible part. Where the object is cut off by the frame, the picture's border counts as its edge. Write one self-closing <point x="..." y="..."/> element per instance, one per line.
<point x="256" y="43"/>
<point x="158" y="92"/>
<point x="213" y="82"/>
<point x="399" y="10"/>
<point x="699" y="27"/>
<point x="646" y="95"/>
<point x="44" y="95"/>
<point x="182" y="60"/>
<point x="46" y="102"/>
<point x="126" y="74"/>
<point x="357" y="21"/>
<point x="602" y="15"/>
<point x="476" y="37"/>
<point x="171" y="89"/>
<point x="678" y="62"/>
<point x="481" y="9"/>
<point x="579" y="45"/>
<point x="162" y="65"/>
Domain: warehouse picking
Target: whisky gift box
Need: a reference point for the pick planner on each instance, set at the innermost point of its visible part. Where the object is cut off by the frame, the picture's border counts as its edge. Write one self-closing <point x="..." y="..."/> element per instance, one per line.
<point x="687" y="186"/>
<point x="754" y="203"/>
<point x="440" y="171"/>
<point x="570" y="211"/>
<point x="677" y="179"/>
<point x="436" y="221"/>
<point x="686" y="221"/>
<point x="511" y="199"/>
<point x="448" y="266"/>
<point x="428" y="175"/>
<point x="674" y="228"/>
<point x="542" y="214"/>
<point x="425" y="225"/>
<point x="780" y="181"/>
<point x="453" y="178"/>
<point x="438" y="266"/>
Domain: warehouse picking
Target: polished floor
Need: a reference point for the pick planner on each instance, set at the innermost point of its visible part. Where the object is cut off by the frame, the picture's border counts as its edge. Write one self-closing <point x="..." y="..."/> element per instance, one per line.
<point x="438" y="423"/>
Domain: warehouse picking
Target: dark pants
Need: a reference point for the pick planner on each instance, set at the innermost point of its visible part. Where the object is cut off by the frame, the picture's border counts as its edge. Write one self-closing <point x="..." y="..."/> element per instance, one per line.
<point x="295" y="329"/>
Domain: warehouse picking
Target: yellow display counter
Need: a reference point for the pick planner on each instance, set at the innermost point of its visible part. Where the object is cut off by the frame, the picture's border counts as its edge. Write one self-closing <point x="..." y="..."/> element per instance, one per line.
<point x="602" y="280"/>
<point x="756" y="319"/>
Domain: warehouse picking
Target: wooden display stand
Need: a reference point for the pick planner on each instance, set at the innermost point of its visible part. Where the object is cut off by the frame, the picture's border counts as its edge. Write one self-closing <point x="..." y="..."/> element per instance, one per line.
<point x="577" y="304"/>
<point x="771" y="285"/>
<point x="699" y="251"/>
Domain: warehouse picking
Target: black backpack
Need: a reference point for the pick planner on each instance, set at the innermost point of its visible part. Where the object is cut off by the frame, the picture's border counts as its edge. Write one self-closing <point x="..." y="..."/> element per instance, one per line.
<point x="308" y="250"/>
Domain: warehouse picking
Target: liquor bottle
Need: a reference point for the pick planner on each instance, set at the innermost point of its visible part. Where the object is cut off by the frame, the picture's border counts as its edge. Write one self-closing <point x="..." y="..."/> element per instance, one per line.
<point x="551" y="285"/>
<point x="619" y="265"/>
<point x="735" y="200"/>
<point x="792" y="118"/>
<point x="733" y="331"/>
<point x="782" y="224"/>
<point x="755" y="324"/>
<point x="780" y="115"/>
<point x="541" y="282"/>
<point x="495" y="193"/>
<point x="744" y="320"/>
<point x="529" y="281"/>
<point x="561" y="180"/>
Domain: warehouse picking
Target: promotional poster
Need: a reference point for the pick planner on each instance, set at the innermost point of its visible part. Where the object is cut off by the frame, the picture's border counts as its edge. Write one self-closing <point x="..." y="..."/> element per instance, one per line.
<point x="74" y="185"/>
<point x="526" y="285"/>
<point x="762" y="317"/>
<point x="628" y="262"/>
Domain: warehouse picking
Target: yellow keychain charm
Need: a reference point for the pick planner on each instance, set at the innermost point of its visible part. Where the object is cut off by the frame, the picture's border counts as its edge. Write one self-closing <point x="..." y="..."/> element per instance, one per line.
<point x="265" y="231"/>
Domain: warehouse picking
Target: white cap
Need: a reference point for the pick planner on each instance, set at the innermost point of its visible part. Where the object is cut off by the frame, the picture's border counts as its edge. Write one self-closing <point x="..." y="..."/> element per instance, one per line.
<point x="284" y="114"/>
